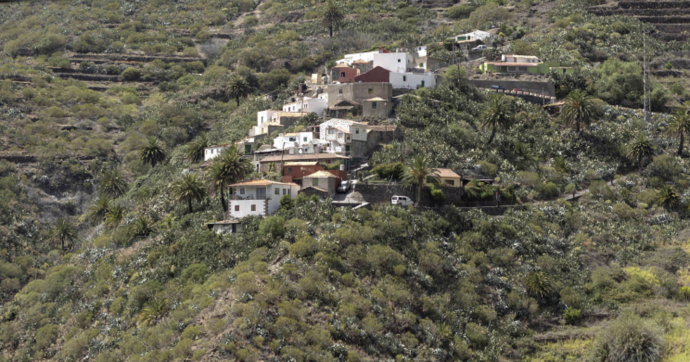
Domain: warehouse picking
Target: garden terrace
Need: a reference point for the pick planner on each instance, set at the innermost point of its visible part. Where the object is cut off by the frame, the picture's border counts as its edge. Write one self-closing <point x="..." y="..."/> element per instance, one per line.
<point x="670" y="17"/>
<point x="110" y="58"/>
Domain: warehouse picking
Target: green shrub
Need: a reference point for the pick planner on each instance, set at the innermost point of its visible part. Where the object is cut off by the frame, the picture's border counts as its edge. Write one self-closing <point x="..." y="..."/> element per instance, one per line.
<point x="630" y="338"/>
<point x="131" y="74"/>
<point x="459" y="11"/>
<point x="273" y="226"/>
<point x="548" y="190"/>
<point x="684" y="293"/>
<point x="389" y="171"/>
<point x="46" y="336"/>
<point x="196" y="273"/>
<point x="572" y="316"/>
<point x="624" y="211"/>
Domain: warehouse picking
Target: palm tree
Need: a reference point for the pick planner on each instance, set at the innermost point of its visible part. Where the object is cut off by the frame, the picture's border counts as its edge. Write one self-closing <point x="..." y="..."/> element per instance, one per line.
<point x="227" y="168"/>
<point x="579" y="108"/>
<point x="238" y="88"/>
<point x="497" y="115"/>
<point x="195" y="149"/>
<point x="333" y="15"/>
<point x="113" y="183"/>
<point x="539" y="284"/>
<point x="679" y="126"/>
<point x="640" y="148"/>
<point x="64" y="231"/>
<point x="153" y="153"/>
<point x="154" y="310"/>
<point x="417" y="172"/>
<point x="114" y="216"/>
<point x="142" y="227"/>
<point x="100" y="208"/>
<point x="189" y="187"/>
<point x="667" y="196"/>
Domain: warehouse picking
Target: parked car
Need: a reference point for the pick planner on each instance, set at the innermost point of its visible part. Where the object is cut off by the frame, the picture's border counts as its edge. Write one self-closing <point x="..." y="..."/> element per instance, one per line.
<point x="480" y="47"/>
<point x="519" y="90"/>
<point x="345" y="186"/>
<point x="401" y="200"/>
<point x="494" y="86"/>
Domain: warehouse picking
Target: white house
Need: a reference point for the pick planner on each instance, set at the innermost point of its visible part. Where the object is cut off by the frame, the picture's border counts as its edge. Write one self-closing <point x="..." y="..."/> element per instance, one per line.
<point x="264" y="116"/>
<point x="290" y="140"/>
<point x="475" y="35"/>
<point x="307" y="105"/>
<point x="366" y="56"/>
<point x="395" y="62"/>
<point x="511" y="58"/>
<point x="412" y="80"/>
<point x="258" y="197"/>
<point x="214" y="151"/>
<point x="421" y="51"/>
<point x="341" y="133"/>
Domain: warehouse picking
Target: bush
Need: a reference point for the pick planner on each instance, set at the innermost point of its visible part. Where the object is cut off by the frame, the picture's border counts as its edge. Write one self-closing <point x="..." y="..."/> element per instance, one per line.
<point x="630" y="338"/>
<point x="389" y="171"/>
<point x="46" y="336"/>
<point x="459" y="11"/>
<point x="273" y="226"/>
<point x="572" y="316"/>
<point x="548" y="190"/>
<point x="131" y="74"/>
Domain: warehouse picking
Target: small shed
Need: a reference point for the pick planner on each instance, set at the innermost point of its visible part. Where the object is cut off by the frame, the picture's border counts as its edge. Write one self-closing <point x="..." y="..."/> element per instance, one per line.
<point x="231" y="226"/>
<point x="376" y="107"/>
<point x="323" y="180"/>
<point x="448" y="178"/>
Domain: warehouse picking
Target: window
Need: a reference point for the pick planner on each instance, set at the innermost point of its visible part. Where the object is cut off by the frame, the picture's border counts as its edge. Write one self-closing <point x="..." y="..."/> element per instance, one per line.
<point x="331" y="131"/>
<point x="289" y="169"/>
<point x="340" y="91"/>
<point x="292" y="139"/>
<point x="421" y="65"/>
<point x="304" y="139"/>
<point x="342" y="75"/>
<point x="248" y="148"/>
<point x="253" y="207"/>
<point x="284" y="191"/>
<point x="277" y="191"/>
<point x="399" y="60"/>
<point x="347" y="148"/>
<point x="237" y="208"/>
<point x="371" y="91"/>
<point x="422" y="84"/>
<point x="450" y="182"/>
<point x="357" y="129"/>
<point x="262" y="119"/>
<point x="404" y="78"/>
<point x="315" y="182"/>
<point x="373" y="106"/>
<point x="260" y="193"/>
<point x="241" y="190"/>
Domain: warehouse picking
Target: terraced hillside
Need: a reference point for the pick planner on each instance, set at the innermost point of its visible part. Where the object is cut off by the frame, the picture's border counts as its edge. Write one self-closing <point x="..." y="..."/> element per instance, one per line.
<point x="671" y="18"/>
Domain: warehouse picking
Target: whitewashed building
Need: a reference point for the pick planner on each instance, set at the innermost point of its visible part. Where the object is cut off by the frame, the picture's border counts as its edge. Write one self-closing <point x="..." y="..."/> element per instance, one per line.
<point x="214" y="151"/>
<point x="475" y="35"/>
<point x="412" y="80"/>
<point x="340" y="134"/>
<point x="366" y="56"/>
<point x="258" y="197"/>
<point x="292" y="140"/>
<point x="308" y="105"/>
<point x="395" y="62"/>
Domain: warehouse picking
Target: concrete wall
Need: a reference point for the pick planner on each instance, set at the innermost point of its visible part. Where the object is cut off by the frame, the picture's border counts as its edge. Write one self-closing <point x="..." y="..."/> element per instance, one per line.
<point x="376" y="194"/>
<point x="325" y="183"/>
<point x="358" y="92"/>
<point x="412" y="80"/>
<point x="382" y="110"/>
<point x="545" y="88"/>
<point x="395" y="62"/>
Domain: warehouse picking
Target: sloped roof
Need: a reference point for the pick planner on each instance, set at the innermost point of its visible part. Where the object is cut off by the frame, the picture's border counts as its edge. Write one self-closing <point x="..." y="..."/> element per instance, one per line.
<point x="376" y="99"/>
<point x="446" y="172"/>
<point x="321" y="174"/>
<point x="261" y="182"/>
<point x="341" y="129"/>
<point x="509" y="64"/>
<point x="341" y="65"/>
<point x="360" y="61"/>
<point x="303" y="163"/>
<point x="303" y="156"/>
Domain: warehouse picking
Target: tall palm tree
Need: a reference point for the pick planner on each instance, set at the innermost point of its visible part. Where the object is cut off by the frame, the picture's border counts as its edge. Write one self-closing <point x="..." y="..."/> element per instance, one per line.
<point x="153" y="153"/>
<point x="113" y="183"/>
<point x="333" y="15"/>
<point x="189" y="187"/>
<point x="154" y="310"/>
<point x="115" y="215"/>
<point x="142" y="227"/>
<point x="417" y="172"/>
<point x="64" y="231"/>
<point x="100" y="208"/>
<point x="640" y="148"/>
<point x="195" y="149"/>
<point x="238" y="88"/>
<point x="679" y="126"/>
<point x="497" y="114"/>
<point x="227" y="168"/>
<point x="579" y="108"/>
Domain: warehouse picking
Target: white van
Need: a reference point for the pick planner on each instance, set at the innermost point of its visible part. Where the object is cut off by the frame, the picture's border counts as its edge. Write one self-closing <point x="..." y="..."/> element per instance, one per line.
<point x="401" y="200"/>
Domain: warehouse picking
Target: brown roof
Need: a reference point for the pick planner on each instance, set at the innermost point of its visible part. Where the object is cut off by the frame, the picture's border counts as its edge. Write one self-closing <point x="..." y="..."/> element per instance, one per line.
<point x="321" y="174"/>
<point x="390" y="127"/>
<point x="341" y="65"/>
<point x="306" y="163"/>
<point x="446" y="172"/>
<point x="216" y="146"/>
<point x="289" y="114"/>
<point x="508" y="64"/>
<point x="303" y="157"/>
<point x="261" y="182"/>
<point x="343" y="130"/>
<point x="361" y="61"/>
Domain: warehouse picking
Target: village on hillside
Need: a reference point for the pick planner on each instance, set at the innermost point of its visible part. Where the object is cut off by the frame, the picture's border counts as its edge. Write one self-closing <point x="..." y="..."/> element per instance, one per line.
<point x="354" y="104"/>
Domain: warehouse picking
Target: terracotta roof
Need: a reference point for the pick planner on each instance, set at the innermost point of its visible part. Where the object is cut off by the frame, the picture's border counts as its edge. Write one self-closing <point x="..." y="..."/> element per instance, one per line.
<point x="341" y="129"/>
<point x="289" y="114"/>
<point x="291" y="134"/>
<point x="271" y="124"/>
<point x="216" y="146"/>
<point x="315" y="188"/>
<point x="342" y="65"/>
<point x="261" y="183"/>
<point x="347" y="101"/>
<point x="446" y="172"/>
<point x="360" y="61"/>
<point x="521" y="56"/>
<point x="305" y="163"/>
<point x="467" y="41"/>
<point x="321" y="174"/>
<point x="376" y="99"/>
<point x="303" y="156"/>
<point x="508" y="64"/>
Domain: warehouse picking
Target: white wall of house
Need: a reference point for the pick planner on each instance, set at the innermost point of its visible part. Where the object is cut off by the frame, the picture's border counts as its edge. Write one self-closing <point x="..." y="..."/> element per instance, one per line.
<point x="338" y="141"/>
<point x="412" y="80"/>
<point x="349" y="58"/>
<point x="264" y="116"/>
<point x="307" y="105"/>
<point x="475" y="35"/>
<point x="213" y="152"/>
<point x="420" y="50"/>
<point x="519" y="59"/>
<point x="248" y="200"/>
<point x="283" y="142"/>
<point x="395" y="62"/>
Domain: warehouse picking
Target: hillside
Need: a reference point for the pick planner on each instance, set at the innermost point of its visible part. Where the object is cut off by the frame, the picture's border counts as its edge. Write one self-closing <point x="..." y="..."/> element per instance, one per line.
<point x="106" y="108"/>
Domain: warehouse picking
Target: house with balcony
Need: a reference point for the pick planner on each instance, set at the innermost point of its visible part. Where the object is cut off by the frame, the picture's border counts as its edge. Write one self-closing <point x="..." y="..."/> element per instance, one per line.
<point x="258" y="197"/>
<point x="343" y="136"/>
<point x="292" y="140"/>
<point x="269" y="121"/>
<point x="516" y="64"/>
<point x="304" y="105"/>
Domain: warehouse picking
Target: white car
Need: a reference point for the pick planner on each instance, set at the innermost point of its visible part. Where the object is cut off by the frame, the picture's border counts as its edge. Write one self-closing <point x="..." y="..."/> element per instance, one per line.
<point x="401" y="200"/>
<point x="480" y="47"/>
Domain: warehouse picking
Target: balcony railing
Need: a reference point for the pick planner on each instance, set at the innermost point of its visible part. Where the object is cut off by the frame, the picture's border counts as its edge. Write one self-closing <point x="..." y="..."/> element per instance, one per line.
<point x="248" y="197"/>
